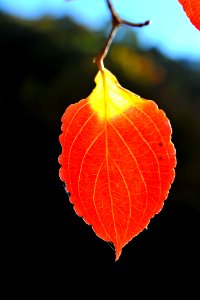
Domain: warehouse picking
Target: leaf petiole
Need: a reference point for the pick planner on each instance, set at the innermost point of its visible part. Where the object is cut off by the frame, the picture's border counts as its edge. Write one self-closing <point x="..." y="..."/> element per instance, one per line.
<point x="116" y="23"/>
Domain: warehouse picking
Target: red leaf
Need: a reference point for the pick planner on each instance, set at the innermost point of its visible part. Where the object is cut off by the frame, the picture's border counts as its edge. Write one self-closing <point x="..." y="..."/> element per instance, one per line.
<point x="117" y="160"/>
<point x="192" y="10"/>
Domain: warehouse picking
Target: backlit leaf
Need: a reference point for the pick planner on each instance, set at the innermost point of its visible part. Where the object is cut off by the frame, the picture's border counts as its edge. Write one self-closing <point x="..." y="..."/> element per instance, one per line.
<point x="192" y="10"/>
<point x="117" y="160"/>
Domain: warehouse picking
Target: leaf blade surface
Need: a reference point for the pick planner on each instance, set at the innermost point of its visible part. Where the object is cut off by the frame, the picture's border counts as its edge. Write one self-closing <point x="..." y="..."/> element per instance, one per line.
<point x="192" y="10"/>
<point x="117" y="160"/>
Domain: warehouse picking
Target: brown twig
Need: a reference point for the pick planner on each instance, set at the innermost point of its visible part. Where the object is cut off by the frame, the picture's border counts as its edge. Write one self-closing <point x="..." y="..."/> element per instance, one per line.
<point x="116" y="23"/>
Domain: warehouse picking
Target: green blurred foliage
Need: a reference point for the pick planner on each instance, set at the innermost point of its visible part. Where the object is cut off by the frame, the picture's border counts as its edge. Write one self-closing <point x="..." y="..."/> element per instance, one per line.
<point x="47" y="64"/>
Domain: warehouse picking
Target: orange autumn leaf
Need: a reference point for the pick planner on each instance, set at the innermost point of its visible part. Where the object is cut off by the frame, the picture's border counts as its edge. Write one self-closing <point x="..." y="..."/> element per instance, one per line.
<point x="117" y="160"/>
<point x="192" y="10"/>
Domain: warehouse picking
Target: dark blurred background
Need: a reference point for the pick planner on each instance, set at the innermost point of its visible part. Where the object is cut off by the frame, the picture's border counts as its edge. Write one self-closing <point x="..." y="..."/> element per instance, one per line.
<point x="46" y="65"/>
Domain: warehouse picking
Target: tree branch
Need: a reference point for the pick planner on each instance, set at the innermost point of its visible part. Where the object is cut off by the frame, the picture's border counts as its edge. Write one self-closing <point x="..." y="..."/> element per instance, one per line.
<point x="116" y="23"/>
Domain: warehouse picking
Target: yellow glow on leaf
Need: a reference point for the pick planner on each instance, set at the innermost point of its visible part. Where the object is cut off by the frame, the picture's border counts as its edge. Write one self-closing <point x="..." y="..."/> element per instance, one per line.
<point x="109" y="99"/>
